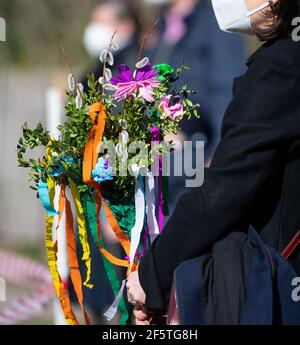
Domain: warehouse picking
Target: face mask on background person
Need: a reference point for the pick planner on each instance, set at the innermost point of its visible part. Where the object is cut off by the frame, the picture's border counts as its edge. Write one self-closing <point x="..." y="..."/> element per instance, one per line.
<point x="97" y="37"/>
<point x="233" y="15"/>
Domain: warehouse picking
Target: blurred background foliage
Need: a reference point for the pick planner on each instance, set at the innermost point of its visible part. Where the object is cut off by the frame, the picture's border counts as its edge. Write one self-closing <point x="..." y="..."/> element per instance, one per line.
<point x="35" y="26"/>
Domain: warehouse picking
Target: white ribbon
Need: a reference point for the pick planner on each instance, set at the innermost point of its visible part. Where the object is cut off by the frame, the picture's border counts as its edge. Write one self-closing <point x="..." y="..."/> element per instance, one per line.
<point x="112" y="310"/>
<point x="139" y="220"/>
<point x="150" y="207"/>
<point x="136" y="231"/>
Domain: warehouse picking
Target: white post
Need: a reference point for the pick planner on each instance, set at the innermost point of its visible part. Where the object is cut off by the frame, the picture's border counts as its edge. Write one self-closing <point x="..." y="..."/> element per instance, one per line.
<point x="54" y="106"/>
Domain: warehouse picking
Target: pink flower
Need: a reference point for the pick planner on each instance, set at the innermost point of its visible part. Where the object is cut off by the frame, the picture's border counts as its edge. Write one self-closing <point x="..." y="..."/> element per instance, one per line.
<point x="142" y="83"/>
<point x="172" y="107"/>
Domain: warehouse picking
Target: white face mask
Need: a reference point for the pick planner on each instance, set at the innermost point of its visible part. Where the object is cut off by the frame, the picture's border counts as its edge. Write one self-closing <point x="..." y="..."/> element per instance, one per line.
<point x="233" y="15"/>
<point x="97" y="37"/>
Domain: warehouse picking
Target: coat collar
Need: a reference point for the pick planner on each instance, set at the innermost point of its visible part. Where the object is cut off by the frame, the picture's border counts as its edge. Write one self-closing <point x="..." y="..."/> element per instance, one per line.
<point x="252" y="57"/>
<point x="259" y="51"/>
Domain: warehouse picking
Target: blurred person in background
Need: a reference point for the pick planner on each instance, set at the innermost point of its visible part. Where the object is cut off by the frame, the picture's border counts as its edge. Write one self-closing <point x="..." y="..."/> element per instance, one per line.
<point x="188" y="31"/>
<point x="123" y="16"/>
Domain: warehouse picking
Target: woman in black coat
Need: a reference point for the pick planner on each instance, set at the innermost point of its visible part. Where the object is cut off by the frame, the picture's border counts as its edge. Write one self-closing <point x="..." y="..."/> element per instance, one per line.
<point x="254" y="177"/>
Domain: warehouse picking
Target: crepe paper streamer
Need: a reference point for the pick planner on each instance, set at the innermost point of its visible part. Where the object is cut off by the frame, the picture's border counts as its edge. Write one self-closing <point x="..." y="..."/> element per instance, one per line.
<point x="125" y="242"/>
<point x="89" y="162"/>
<point x="82" y="232"/>
<point x="139" y="219"/>
<point x="114" y="281"/>
<point x="25" y="273"/>
<point x="72" y="251"/>
<point x="122" y="207"/>
<point x="91" y="212"/>
<point x="117" y="230"/>
<point x="112" y="310"/>
<point x="156" y="136"/>
<point x="88" y="203"/>
<point x="152" y="224"/>
<point x="93" y="143"/>
<point x="51" y="249"/>
<point x="44" y="198"/>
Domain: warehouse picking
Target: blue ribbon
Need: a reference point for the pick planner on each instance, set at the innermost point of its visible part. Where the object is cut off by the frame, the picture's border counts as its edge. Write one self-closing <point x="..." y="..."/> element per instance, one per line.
<point x="45" y="200"/>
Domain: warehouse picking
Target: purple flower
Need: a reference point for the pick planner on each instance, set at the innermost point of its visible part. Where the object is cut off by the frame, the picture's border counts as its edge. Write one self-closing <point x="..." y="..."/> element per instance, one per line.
<point x="141" y="85"/>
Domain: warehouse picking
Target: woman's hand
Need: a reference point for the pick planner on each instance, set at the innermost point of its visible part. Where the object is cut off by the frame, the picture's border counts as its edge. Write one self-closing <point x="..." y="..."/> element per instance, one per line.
<point x="135" y="292"/>
<point x="137" y="297"/>
<point x="142" y="317"/>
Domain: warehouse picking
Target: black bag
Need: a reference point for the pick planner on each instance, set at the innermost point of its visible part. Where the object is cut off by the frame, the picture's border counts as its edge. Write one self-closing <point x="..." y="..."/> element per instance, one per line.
<point x="241" y="281"/>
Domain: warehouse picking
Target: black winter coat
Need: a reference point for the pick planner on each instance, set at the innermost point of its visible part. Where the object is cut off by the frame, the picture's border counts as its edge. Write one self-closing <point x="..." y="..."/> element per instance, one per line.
<point x="254" y="178"/>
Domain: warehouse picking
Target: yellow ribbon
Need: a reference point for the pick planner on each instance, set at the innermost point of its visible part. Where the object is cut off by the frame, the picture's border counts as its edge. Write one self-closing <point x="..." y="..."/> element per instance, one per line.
<point x="82" y="231"/>
<point x="51" y="249"/>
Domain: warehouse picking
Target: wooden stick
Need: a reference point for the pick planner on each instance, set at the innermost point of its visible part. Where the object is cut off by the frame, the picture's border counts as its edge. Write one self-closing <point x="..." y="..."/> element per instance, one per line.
<point x="146" y="38"/>
<point x="104" y="64"/>
<point x="69" y="65"/>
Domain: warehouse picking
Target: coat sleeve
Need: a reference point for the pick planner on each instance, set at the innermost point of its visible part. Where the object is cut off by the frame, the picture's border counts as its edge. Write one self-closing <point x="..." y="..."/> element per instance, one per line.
<point x="261" y="120"/>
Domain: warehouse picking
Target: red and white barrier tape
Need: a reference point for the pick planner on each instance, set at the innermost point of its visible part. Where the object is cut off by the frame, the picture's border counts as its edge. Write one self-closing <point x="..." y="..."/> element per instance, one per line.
<point x="28" y="274"/>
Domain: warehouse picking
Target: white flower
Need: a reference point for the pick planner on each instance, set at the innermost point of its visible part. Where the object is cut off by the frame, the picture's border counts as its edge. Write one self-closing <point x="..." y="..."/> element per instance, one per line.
<point x="134" y="170"/>
<point x="103" y="55"/>
<point x="78" y="102"/>
<point x="110" y="87"/>
<point x="110" y="59"/>
<point x="107" y="56"/>
<point x="102" y="81"/>
<point x="124" y="137"/>
<point x="142" y="63"/>
<point x="121" y="151"/>
<point x="71" y="82"/>
<point x="80" y="88"/>
<point x="115" y="46"/>
<point x="107" y="74"/>
<point x="123" y="124"/>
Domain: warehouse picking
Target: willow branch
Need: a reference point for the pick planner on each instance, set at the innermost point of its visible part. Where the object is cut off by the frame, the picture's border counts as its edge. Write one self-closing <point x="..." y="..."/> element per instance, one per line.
<point x="148" y="34"/>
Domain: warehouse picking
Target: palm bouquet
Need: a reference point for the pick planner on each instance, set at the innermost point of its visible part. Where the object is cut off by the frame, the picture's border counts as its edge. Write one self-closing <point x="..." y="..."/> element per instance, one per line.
<point x="109" y="165"/>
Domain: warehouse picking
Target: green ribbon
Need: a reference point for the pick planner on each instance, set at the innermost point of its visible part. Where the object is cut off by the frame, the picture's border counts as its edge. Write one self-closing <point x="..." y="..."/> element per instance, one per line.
<point x="123" y="209"/>
<point x="89" y="207"/>
<point x="88" y="203"/>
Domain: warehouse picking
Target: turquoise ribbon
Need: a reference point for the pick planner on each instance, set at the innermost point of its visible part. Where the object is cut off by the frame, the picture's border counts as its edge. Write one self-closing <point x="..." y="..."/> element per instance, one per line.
<point x="45" y="200"/>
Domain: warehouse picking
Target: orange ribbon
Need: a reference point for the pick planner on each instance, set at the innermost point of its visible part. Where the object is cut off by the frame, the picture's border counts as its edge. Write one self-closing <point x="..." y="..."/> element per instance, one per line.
<point x="124" y="241"/>
<point x="91" y="153"/>
<point x="93" y="142"/>
<point x="72" y="251"/>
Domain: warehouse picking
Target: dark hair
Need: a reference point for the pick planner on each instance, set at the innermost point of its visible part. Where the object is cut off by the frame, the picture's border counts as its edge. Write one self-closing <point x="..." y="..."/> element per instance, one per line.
<point x="283" y="12"/>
